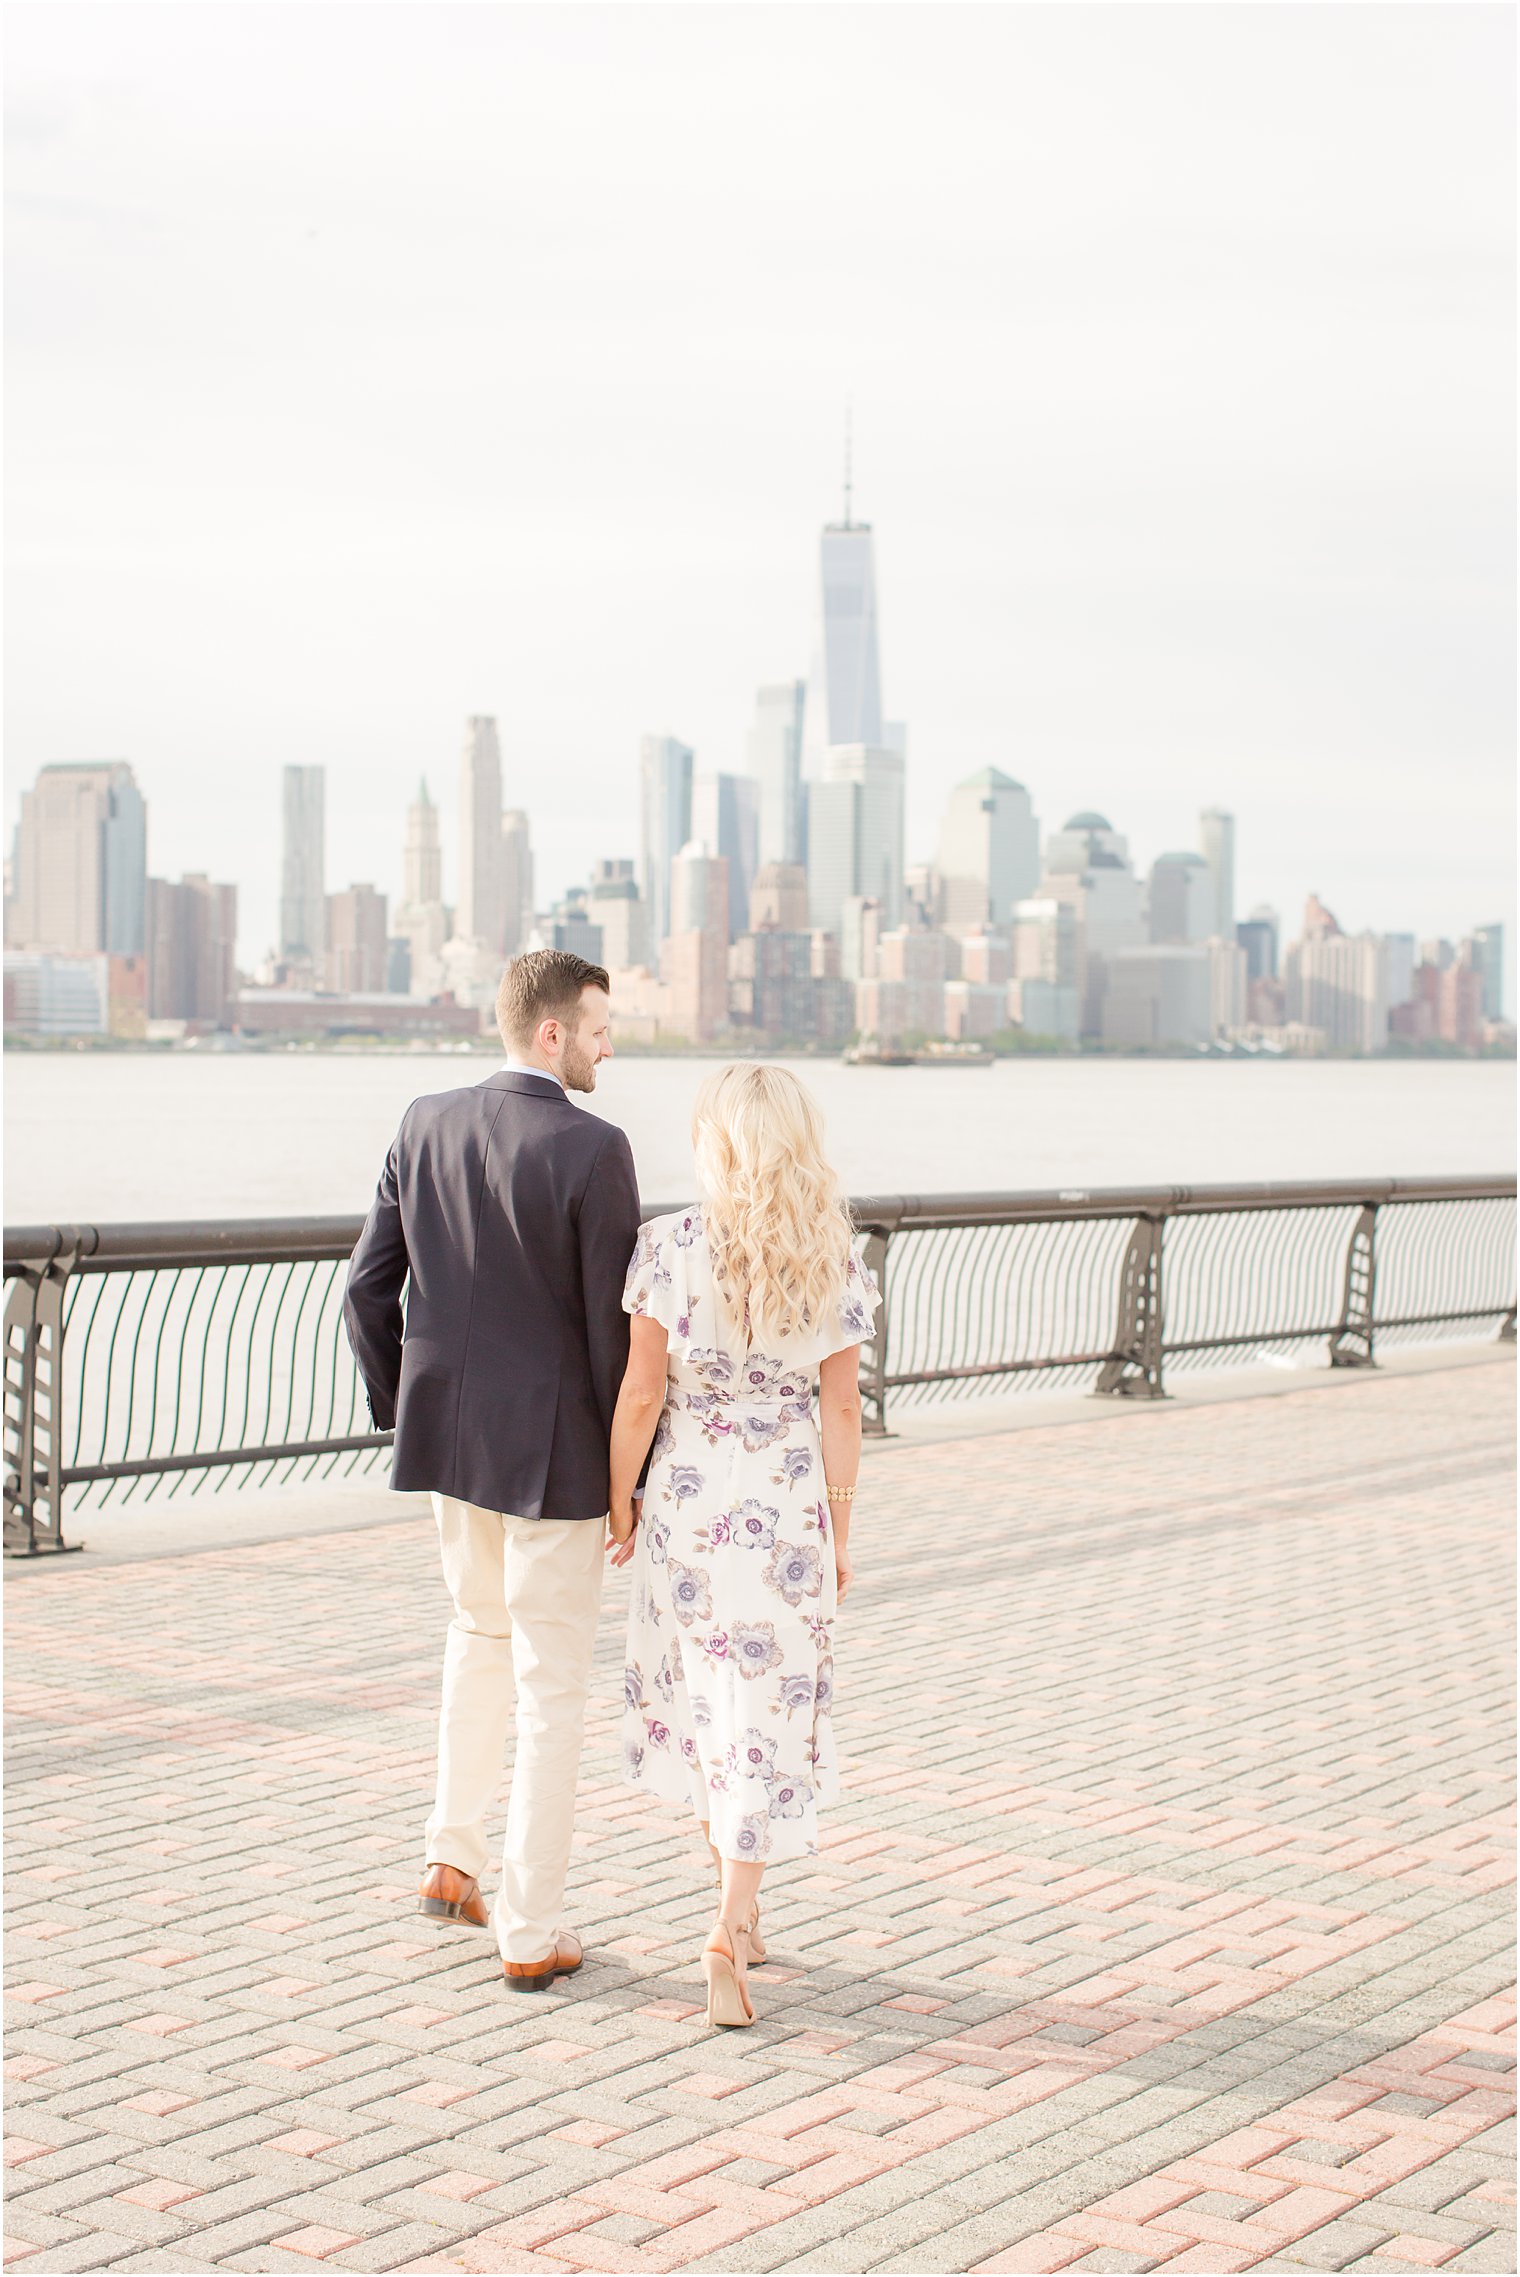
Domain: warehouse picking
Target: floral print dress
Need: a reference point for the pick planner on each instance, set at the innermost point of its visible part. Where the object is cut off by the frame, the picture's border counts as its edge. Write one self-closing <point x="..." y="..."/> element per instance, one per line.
<point x="730" y="1675"/>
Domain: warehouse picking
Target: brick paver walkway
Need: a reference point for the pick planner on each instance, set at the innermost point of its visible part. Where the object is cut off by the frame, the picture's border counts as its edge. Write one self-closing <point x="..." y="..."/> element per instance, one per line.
<point x="1164" y="1926"/>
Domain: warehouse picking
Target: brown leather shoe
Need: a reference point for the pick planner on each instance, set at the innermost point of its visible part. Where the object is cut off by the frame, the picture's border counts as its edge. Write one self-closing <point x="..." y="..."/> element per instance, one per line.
<point x="446" y="1894"/>
<point x="537" y="1976"/>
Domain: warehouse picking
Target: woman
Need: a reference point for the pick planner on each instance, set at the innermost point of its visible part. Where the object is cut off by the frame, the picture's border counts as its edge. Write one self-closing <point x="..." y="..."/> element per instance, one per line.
<point x="738" y="1306"/>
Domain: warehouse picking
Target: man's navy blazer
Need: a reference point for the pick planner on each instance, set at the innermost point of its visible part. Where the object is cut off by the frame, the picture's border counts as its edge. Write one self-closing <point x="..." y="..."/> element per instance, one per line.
<point x="515" y="1215"/>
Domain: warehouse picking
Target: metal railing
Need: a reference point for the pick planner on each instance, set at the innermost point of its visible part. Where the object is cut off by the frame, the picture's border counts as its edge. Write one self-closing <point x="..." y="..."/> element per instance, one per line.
<point x="140" y="1357"/>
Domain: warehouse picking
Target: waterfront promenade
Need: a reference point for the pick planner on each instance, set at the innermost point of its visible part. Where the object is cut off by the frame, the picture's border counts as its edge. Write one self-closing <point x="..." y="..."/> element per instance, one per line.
<point x="1164" y="1924"/>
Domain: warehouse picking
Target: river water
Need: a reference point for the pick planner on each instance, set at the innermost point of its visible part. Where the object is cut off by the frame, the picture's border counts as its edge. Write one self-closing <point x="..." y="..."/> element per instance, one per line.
<point x="97" y="1137"/>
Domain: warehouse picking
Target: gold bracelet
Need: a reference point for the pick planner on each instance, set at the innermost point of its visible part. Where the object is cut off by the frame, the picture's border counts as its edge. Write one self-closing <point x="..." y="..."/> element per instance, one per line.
<point x="840" y="1493"/>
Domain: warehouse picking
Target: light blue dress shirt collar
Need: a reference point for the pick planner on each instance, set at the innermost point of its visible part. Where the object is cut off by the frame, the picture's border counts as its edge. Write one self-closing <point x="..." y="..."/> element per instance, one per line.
<point x="515" y="1066"/>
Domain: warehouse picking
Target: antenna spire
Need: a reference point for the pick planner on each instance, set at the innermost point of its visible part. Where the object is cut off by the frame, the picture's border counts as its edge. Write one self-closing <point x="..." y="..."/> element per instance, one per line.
<point x="849" y="483"/>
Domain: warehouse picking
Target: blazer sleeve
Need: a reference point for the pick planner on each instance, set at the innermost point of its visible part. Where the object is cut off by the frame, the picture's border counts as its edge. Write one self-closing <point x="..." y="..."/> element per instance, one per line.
<point x="609" y="1232"/>
<point x="372" y="1312"/>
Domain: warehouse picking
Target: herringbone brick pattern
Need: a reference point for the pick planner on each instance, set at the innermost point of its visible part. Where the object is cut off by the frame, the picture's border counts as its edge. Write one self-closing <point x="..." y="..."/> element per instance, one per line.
<point x="1163" y="1925"/>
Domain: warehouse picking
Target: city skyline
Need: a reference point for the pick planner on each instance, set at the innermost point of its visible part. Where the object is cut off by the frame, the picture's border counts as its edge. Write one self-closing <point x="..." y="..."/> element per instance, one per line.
<point x="1188" y="466"/>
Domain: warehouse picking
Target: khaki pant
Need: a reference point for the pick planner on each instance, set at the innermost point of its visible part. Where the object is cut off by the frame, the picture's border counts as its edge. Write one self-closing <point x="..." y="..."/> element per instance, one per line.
<point x="526" y="1594"/>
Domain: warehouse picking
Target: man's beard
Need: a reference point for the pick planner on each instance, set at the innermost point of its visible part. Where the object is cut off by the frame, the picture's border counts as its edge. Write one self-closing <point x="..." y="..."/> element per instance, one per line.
<point x="577" y="1069"/>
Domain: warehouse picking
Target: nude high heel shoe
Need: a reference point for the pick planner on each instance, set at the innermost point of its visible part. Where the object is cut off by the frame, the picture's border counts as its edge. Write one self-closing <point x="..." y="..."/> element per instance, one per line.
<point x="756" y="1941"/>
<point x="727" y="2001"/>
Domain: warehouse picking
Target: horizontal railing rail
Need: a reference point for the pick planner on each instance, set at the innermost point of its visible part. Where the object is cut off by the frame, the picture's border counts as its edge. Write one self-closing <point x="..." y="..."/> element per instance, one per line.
<point x="180" y="1355"/>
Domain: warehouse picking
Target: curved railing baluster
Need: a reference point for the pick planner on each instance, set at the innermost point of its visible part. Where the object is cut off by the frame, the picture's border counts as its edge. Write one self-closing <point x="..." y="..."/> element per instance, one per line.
<point x="989" y="1295"/>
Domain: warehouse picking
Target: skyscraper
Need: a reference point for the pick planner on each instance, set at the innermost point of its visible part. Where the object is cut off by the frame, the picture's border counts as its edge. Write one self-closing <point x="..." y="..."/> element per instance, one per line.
<point x="665" y="771"/>
<point x="989" y="851"/>
<point x="422" y="863"/>
<point x="1182" y="898"/>
<point x="855" y="834"/>
<point x="1257" y="935"/>
<point x="725" y="815"/>
<point x="1339" y="982"/>
<point x="303" y="921"/>
<point x="694" y="955"/>
<point x="1216" y="836"/>
<point x="191" y="940"/>
<point x="774" y="752"/>
<point x="357" y="956"/>
<point x="844" y="691"/>
<point x="81" y="870"/>
<point x="1488" y="959"/>
<point x="422" y="921"/>
<point x="516" y="880"/>
<point x="480" y="915"/>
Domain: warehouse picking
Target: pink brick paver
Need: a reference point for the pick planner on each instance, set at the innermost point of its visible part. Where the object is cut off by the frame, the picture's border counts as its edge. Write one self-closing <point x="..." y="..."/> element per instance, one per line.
<point x="1162" y="1924"/>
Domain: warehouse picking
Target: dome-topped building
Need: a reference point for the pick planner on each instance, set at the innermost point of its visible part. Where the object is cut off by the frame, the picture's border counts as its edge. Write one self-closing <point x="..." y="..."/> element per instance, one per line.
<point x="1080" y="840"/>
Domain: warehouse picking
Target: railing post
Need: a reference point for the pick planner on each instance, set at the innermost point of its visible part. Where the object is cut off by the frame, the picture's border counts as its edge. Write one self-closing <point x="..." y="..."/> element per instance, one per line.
<point x="873" y="1382"/>
<point x="1133" y="1369"/>
<point x="34" y="1420"/>
<point x="1351" y="1344"/>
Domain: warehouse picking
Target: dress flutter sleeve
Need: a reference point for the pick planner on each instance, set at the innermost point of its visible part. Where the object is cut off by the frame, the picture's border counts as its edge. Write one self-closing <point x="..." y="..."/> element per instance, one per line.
<point x="858" y="1302"/>
<point x="651" y="1290"/>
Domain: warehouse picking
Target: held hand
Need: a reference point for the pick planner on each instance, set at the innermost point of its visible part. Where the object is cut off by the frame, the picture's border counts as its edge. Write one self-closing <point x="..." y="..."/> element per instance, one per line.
<point x="621" y="1525"/>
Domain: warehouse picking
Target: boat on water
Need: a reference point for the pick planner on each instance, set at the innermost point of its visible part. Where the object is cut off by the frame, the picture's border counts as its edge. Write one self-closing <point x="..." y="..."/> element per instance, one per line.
<point x="953" y="1055"/>
<point x="870" y="1054"/>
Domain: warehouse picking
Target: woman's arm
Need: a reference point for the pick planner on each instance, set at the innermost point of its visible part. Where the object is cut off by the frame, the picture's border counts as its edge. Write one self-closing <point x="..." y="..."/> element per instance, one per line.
<point x="839" y="1428"/>
<point x="638" y="1411"/>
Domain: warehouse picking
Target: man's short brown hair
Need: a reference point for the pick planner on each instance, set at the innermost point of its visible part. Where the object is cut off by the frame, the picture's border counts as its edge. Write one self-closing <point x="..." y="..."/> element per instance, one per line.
<point x="543" y="984"/>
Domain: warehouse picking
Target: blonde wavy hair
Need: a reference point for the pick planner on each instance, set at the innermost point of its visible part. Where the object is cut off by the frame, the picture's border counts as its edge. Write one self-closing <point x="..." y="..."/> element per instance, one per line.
<point x="778" y="1228"/>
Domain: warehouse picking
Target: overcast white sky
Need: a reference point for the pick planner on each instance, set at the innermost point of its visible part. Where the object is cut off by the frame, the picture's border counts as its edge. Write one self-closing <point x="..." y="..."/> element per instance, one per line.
<point x="374" y="365"/>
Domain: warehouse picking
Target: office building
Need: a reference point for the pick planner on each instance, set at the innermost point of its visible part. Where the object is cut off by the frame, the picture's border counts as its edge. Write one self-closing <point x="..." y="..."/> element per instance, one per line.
<point x="1105" y="898"/>
<point x="357" y="960"/>
<point x="1257" y="935"/>
<point x="191" y="950"/>
<point x="1045" y="1008"/>
<point x="1180" y="903"/>
<point x="778" y="899"/>
<point x="1338" y="982"/>
<point x="773" y="751"/>
<point x="49" y="993"/>
<point x="906" y="997"/>
<point x="855" y="833"/>
<point x="1044" y="941"/>
<point x="303" y="866"/>
<point x="1081" y="840"/>
<point x="1228" y="986"/>
<point x="694" y="953"/>
<point x="989" y="851"/>
<point x="421" y="924"/>
<point x="480" y="914"/>
<point x="616" y="908"/>
<point x="665" y="788"/>
<point x="844" y="688"/>
<point x="1486" y="955"/>
<point x="987" y="956"/>
<point x="516" y="880"/>
<point x="1459" y="1004"/>
<point x="725" y="815"/>
<point x="1216" y="836"/>
<point x="1159" y="995"/>
<point x="973" y="1011"/>
<point x="80" y="876"/>
<point x="422" y="857"/>
<point x="776" y="991"/>
<point x="1401" y="964"/>
<point x="570" y="926"/>
<point x="860" y="930"/>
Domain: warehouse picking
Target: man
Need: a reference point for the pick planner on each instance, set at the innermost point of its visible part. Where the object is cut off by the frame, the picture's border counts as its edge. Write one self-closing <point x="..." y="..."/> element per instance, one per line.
<point x="515" y="1215"/>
